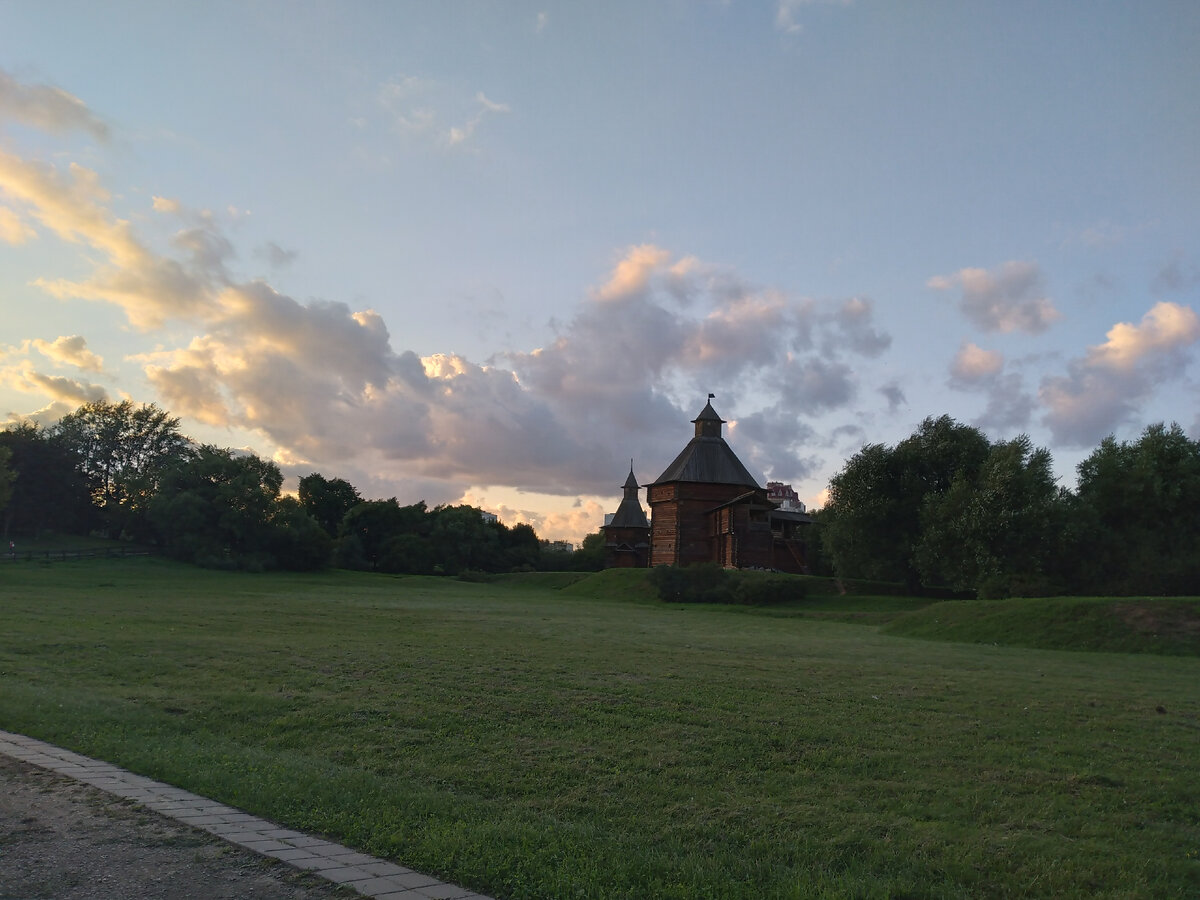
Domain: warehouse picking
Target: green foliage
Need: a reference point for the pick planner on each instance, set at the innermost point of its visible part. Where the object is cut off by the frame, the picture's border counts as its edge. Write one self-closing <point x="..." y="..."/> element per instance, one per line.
<point x="705" y="583"/>
<point x="7" y="477"/>
<point x="761" y="589"/>
<point x="327" y="500"/>
<point x="710" y="583"/>
<point x="384" y="536"/>
<point x="999" y="532"/>
<point x="122" y="451"/>
<point x="296" y="541"/>
<point x="373" y="524"/>
<point x="944" y="508"/>
<point x="1138" y="514"/>
<point x="871" y="523"/>
<point x="49" y="494"/>
<point x="462" y="540"/>
<point x="224" y="511"/>
<point x="590" y="556"/>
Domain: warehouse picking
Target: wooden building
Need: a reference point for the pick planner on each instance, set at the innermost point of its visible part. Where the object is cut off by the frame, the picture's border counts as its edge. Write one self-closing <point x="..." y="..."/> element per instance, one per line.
<point x="627" y="536"/>
<point x="706" y="507"/>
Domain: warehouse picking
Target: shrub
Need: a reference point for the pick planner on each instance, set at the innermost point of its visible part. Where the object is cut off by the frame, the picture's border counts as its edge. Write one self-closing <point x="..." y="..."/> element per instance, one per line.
<point x="753" y="589"/>
<point x="709" y="583"/>
<point x="704" y="583"/>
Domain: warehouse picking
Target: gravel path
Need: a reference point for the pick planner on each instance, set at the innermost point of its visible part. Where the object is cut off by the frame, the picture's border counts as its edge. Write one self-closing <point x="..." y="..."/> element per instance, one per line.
<point x="62" y="840"/>
<point x="75" y="827"/>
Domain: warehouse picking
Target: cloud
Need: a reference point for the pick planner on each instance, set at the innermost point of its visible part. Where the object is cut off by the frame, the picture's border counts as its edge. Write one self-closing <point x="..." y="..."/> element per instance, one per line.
<point x="817" y="385"/>
<point x="166" y="205"/>
<point x="72" y="351"/>
<point x="1006" y="299"/>
<point x="1175" y="276"/>
<point x="894" y="396"/>
<point x="663" y="326"/>
<point x="13" y="230"/>
<point x="787" y="13"/>
<point x="419" y="107"/>
<point x="1009" y="404"/>
<point x="149" y="287"/>
<point x="47" y="108"/>
<point x="1103" y="234"/>
<point x="973" y="364"/>
<point x="631" y="277"/>
<point x="1165" y="330"/>
<point x="463" y="133"/>
<point x="775" y="442"/>
<point x="322" y="385"/>
<point x="64" y="393"/>
<point x="404" y="99"/>
<point x="853" y="328"/>
<point x="275" y="255"/>
<point x="1105" y="388"/>
<point x="540" y="23"/>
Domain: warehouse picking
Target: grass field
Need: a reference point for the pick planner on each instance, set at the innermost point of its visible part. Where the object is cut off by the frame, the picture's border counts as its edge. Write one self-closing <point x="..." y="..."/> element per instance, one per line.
<point x="565" y="738"/>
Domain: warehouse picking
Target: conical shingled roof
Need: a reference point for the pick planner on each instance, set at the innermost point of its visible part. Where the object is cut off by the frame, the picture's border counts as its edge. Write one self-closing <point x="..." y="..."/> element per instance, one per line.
<point x="707" y="458"/>
<point x="630" y="513"/>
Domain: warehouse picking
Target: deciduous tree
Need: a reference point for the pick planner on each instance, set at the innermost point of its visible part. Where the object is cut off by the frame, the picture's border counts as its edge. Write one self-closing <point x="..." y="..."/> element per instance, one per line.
<point x="122" y="451"/>
<point x="872" y="521"/>
<point x="1139" y="513"/>
<point x="48" y="494"/>
<point x="327" y="500"/>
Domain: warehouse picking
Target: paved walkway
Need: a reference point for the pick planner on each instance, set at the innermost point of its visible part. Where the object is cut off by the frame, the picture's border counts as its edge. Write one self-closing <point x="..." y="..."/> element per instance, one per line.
<point x="333" y="862"/>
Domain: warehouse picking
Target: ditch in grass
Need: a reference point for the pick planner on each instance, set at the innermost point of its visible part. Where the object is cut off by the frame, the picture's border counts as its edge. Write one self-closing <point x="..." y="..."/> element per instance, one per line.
<point x="528" y="742"/>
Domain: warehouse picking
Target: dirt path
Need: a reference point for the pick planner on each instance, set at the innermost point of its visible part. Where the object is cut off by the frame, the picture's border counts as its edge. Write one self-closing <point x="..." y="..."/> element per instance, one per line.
<point x="61" y="840"/>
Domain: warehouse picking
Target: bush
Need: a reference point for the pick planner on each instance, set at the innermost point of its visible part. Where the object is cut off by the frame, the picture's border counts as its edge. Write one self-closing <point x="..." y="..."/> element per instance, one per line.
<point x="753" y="589"/>
<point x="709" y="583"/>
<point x="705" y="583"/>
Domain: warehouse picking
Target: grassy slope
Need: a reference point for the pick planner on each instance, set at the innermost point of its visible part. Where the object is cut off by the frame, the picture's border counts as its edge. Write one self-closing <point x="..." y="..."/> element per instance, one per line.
<point x="1167" y="626"/>
<point x="543" y="743"/>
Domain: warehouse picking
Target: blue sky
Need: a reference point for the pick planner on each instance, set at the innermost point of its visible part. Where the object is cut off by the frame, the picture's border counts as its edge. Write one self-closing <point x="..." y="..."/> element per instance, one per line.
<point x="489" y="252"/>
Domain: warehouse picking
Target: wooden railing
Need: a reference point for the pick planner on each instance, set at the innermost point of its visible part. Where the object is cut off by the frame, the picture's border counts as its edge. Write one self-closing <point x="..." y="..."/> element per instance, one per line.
<point x="62" y="555"/>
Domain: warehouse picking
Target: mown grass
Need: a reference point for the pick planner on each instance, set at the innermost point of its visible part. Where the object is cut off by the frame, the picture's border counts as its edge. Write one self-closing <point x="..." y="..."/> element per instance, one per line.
<point x="1128" y="625"/>
<point x="536" y="742"/>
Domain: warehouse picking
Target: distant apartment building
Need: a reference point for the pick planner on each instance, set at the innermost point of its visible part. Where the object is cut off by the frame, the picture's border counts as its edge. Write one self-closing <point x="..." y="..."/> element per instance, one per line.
<point x="784" y="495"/>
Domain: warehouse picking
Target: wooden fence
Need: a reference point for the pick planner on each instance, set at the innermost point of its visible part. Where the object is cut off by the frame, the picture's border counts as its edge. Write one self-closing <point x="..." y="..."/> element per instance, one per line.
<point x="64" y="554"/>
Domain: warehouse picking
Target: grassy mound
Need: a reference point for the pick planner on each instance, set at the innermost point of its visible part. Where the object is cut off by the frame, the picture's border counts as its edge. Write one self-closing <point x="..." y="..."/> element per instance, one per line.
<point x="614" y="584"/>
<point x="551" y="581"/>
<point x="1164" y="626"/>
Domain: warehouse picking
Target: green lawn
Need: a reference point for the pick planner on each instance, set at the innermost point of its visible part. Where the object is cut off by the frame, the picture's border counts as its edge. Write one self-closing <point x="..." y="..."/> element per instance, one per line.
<point x="551" y="740"/>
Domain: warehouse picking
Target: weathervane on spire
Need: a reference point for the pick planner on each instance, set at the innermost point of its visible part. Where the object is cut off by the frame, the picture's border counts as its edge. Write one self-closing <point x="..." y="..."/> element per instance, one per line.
<point x="712" y="396"/>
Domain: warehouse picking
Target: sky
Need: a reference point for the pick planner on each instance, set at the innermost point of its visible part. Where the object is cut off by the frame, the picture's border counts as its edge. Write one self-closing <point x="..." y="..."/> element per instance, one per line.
<point x="489" y="253"/>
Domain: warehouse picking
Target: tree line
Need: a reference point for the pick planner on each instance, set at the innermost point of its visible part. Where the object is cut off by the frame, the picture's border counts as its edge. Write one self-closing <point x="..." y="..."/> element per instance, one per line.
<point x="947" y="508"/>
<point x="127" y="472"/>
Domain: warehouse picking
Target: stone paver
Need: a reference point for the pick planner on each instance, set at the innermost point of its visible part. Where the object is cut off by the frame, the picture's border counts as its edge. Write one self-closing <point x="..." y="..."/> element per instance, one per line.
<point x="369" y="876"/>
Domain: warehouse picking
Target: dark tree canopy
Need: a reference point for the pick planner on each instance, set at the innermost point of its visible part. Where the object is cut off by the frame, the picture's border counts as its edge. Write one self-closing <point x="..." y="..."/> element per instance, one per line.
<point x="49" y="494"/>
<point x="220" y="509"/>
<point x="121" y="451"/>
<point x="871" y="524"/>
<point x="327" y="500"/>
<point x="946" y="508"/>
<point x="1138" y="512"/>
<point x="1000" y="533"/>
